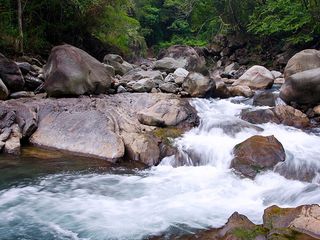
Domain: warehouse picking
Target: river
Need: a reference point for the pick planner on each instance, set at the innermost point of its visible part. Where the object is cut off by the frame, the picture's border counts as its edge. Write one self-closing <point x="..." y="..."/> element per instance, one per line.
<point x="53" y="196"/>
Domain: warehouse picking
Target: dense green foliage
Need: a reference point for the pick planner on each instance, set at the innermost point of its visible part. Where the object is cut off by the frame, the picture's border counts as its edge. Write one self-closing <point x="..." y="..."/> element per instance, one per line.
<point x="128" y="24"/>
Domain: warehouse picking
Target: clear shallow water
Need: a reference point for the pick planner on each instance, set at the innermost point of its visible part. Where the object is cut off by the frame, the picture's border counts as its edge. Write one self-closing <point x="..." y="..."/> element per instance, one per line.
<point x="108" y="204"/>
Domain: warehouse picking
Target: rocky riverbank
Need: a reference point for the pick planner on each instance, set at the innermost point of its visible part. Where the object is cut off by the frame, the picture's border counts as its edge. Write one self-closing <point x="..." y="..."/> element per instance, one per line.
<point x="119" y="111"/>
<point x="301" y="223"/>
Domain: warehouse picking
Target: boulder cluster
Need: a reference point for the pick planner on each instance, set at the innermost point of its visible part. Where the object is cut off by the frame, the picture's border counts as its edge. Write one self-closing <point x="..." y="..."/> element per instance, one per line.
<point x="130" y="110"/>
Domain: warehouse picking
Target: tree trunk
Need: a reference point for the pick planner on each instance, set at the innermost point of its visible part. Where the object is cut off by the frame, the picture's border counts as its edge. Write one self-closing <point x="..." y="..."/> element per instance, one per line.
<point x="20" y="40"/>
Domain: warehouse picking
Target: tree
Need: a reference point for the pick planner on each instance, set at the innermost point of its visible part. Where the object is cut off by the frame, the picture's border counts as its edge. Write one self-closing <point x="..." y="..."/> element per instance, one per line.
<point x="20" y="39"/>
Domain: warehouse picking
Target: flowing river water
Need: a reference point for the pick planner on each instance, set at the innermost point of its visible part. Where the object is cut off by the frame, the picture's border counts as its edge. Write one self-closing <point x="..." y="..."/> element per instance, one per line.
<point x="53" y="197"/>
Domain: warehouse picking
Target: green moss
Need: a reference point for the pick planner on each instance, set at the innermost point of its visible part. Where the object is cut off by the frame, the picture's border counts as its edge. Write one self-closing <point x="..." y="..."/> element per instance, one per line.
<point x="249" y="234"/>
<point x="287" y="234"/>
<point x="166" y="135"/>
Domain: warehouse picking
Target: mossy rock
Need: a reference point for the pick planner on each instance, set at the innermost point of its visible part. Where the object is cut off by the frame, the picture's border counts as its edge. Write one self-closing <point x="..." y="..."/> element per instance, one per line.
<point x="166" y="135"/>
<point x="249" y="234"/>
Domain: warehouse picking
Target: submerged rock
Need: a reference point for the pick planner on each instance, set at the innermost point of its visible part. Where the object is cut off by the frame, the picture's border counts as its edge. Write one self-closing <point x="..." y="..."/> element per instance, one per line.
<point x="256" y="154"/>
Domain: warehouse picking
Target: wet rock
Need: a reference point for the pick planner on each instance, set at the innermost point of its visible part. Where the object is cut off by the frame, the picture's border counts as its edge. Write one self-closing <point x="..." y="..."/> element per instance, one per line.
<point x="168" y="64"/>
<point x="198" y="85"/>
<point x="11" y="74"/>
<point x="291" y="116"/>
<point x="260" y="116"/>
<point x="302" y="88"/>
<point x="71" y="71"/>
<point x="4" y="92"/>
<point x="232" y="126"/>
<point x="305" y="60"/>
<point x="257" y="77"/>
<point x="257" y="154"/>
<point x="240" y="90"/>
<point x="186" y="54"/>
<point x="264" y="99"/>
<point x="304" y="219"/>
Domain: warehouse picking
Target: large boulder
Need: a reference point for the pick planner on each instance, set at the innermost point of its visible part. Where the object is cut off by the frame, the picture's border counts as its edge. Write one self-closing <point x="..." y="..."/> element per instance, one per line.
<point x="302" y="78"/>
<point x="186" y="54"/>
<point x="198" y="85"/>
<point x="305" y="60"/>
<point x="11" y="74"/>
<point x="256" y="154"/>
<point x="169" y="65"/>
<point x="302" y="88"/>
<point x="104" y="127"/>
<point x="304" y="219"/>
<point x="164" y="113"/>
<point x="256" y="77"/>
<point x="72" y="71"/>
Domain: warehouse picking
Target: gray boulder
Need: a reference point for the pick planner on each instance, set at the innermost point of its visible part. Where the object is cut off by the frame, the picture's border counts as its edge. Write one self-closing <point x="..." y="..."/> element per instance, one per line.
<point x="302" y="88"/>
<point x="257" y="77"/>
<point x="169" y="64"/>
<point x="71" y="71"/>
<point x="105" y="127"/>
<point x="186" y="54"/>
<point x="305" y="60"/>
<point x="198" y="85"/>
<point x="120" y="66"/>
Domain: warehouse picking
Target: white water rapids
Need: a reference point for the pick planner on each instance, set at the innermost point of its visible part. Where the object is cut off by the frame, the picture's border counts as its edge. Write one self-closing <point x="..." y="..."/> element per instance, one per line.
<point x="133" y="206"/>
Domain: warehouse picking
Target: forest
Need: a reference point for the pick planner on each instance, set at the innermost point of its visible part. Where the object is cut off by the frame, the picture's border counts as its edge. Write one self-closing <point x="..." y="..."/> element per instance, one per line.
<point x="132" y="26"/>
